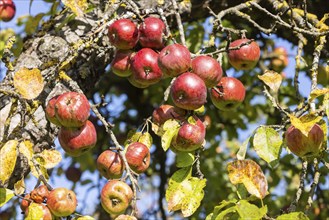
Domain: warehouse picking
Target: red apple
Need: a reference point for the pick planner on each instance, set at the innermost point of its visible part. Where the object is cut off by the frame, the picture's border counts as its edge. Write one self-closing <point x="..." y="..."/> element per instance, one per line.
<point x="165" y="112"/>
<point x="302" y="145"/>
<point x="73" y="174"/>
<point x="50" y="111"/>
<point x="37" y="210"/>
<point x="246" y="57"/>
<point x="123" y="34"/>
<point x="26" y="201"/>
<point x="174" y="59"/>
<point x="188" y="91"/>
<point x="110" y="164"/>
<point x="72" y="109"/>
<point x="120" y="64"/>
<point x="280" y="61"/>
<point x="62" y="202"/>
<point x="190" y="136"/>
<point x="208" y="69"/>
<point x="138" y="157"/>
<point x="133" y="82"/>
<point x="228" y="94"/>
<point x="39" y="194"/>
<point x="150" y="33"/>
<point x="144" y="66"/>
<point x="76" y="141"/>
<point x="116" y="196"/>
<point x="7" y="10"/>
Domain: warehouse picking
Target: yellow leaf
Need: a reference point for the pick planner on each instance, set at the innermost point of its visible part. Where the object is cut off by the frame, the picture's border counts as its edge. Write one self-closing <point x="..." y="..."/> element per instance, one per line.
<point x="77" y="6"/>
<point x="35" y="211"/>
<point x="318" y="92"/>
<point x="38" y="168"/>
<point x="19" y="187"/>
<point x="8" y="156"/>
<point x="51" y="158"/>
<point x="272" y="79"/>
<point x="5" y="195"/>
<point x="304" y="123"/>
<point x="26" y="148"/>
<point x="28" y="83"/>
<point x="250" y="175"/>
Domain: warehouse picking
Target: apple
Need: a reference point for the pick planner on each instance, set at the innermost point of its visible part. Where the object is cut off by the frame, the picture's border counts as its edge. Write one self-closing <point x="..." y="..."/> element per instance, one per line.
<point x="138" y="157"/>
<point x="188" y="91"/>
<point x="116" y="196"/>
<point x="62" y="202"/>
<point x="190" y="136"/>
<point x="120" y="64"/>
<point x="133" y="82"/>
<point x="246" y="57"/>
<point x="208" y="69"/>
<point x="50" y="111"/>
<point x="123" y="34"/>
<point x="110" y="164"/>
<point x="302" y="145"/>
<point x="73" y="174"/>
<point x="174" y="59"/>
<point x="26" y="201"/>
<point x="165" y="112"/>
<point x="76" y="141"/>
<point x="39" y="194"/>
<point x="228" y="94"/>
<point x="37" y="210"/>
<point x="144" y="67"/>
<point x="7" y="10"/>
<point x="151" y="33"/>
<point x="280" y="61"/>
<point x="72" y="109"/>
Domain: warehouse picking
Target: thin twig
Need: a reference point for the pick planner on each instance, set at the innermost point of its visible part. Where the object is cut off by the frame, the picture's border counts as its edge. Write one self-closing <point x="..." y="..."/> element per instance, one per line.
<point x="179" y="22"/>
<point x="314" y="184"/>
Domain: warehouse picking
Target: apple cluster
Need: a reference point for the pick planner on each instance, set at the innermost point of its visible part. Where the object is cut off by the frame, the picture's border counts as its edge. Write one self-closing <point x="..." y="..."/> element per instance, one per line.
<point x="7" y="10"/>
<point x="58" y="202"/>
<point x="71" y="111"/>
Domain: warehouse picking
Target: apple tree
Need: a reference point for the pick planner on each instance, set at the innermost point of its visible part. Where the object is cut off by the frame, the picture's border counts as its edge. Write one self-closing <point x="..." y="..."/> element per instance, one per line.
<point x="166" y="109"/>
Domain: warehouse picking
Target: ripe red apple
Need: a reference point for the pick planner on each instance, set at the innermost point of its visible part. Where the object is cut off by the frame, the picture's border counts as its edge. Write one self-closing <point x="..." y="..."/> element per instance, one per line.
<point x="72" y="109"/>
<point x="120" y="64"/>
<point x="246" y="57"/>
<point x="165" y="112"/>
<point x="76" y="141"/>
<point x="174" y="59"/>
<point x="26" y="201"/>
<point x="138" y="157"/>
<point x="302" y="145"/>
<point x="188" y="91"/>
<point x="50" y="111"/>
<point x="228" y="94"/>
<point x="190" y="136"/>
<point x="110" y="164"/>
<point x="116" y="196"/>
<point x="34" y="211"/>
<point x="39" y="194"/>
<point x="280" y="61"/>
<point x="144" y="66"/>
<point x="123" y="34"/>
<point x="7" y="10"/>
<point x="150" y="33"/>
<point x="73" y="174"/>
<point x="133" y="82"/>
<point x="208" y="69"/>
<point x="62" y="202"/>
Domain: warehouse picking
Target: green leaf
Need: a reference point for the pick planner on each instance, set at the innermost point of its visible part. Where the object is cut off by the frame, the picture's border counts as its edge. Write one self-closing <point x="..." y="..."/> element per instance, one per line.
<point x="326" y="104"/>
<point x="267" y="143"/>
<point x="250" y="211"/>
<point x="217" y="209"/>
<point x="8" y="156"/>
<point x="241" y="155"/>
<point x="184" y="159"/>
<point x="170" y="128"/>
<point x="194" y="196"/>
<point x="5" y="195"/>
<point x="293" y="216"/>
<point x="134" y="136"/>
